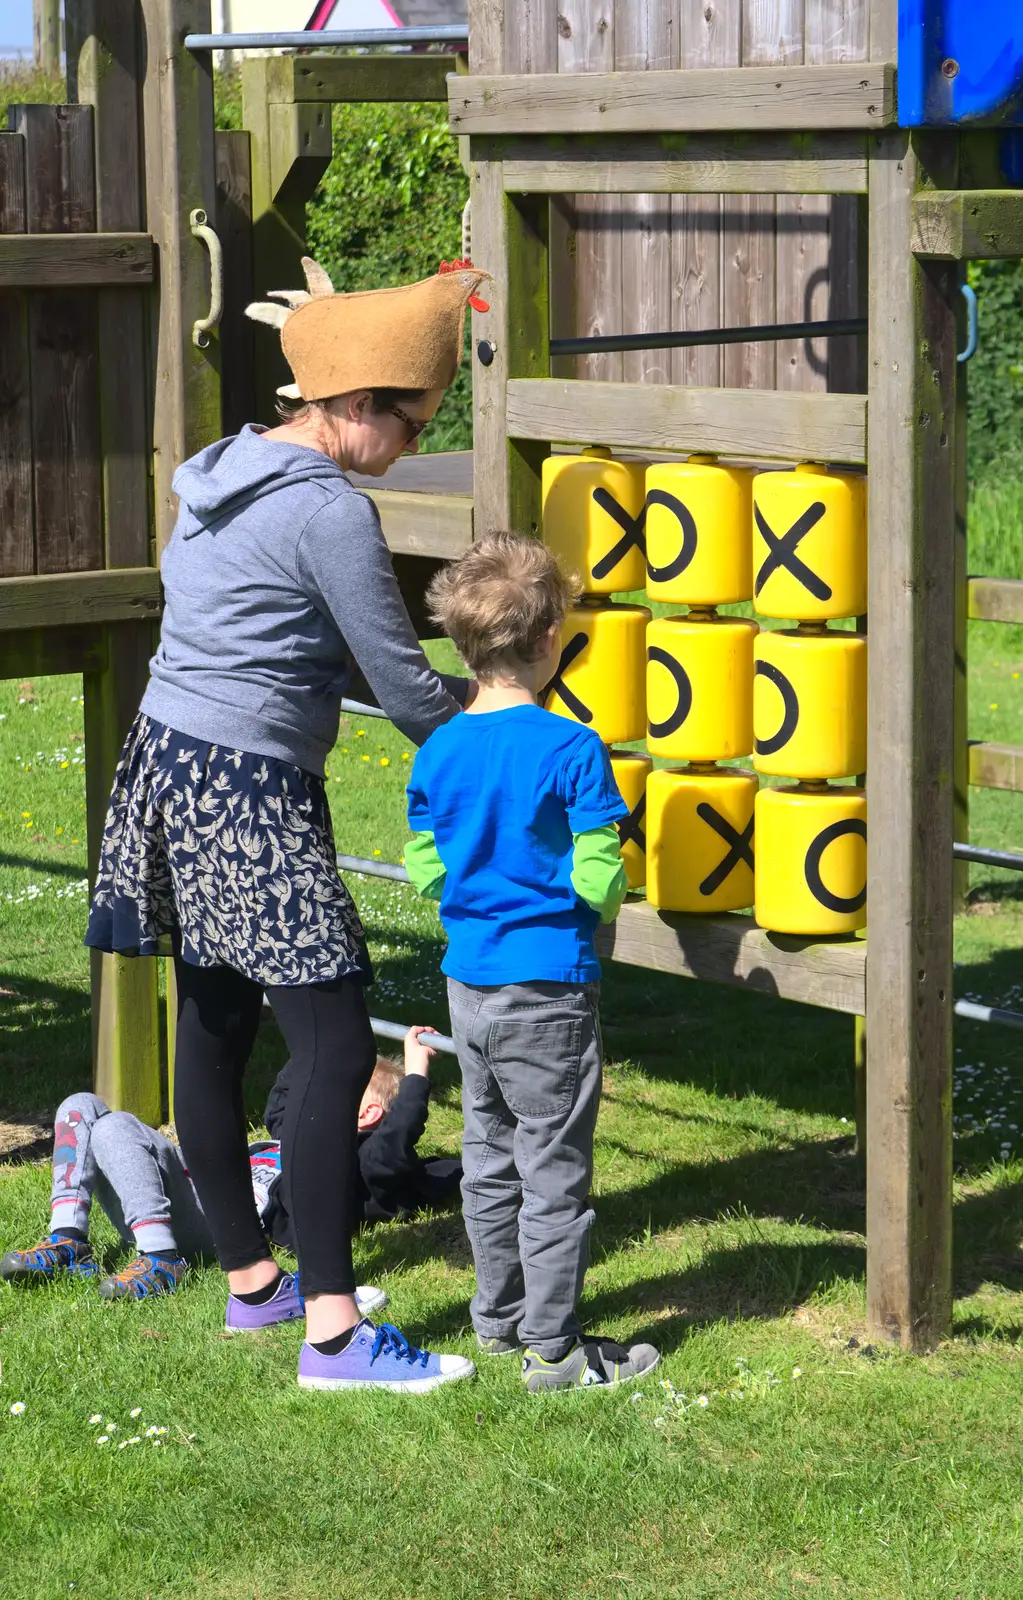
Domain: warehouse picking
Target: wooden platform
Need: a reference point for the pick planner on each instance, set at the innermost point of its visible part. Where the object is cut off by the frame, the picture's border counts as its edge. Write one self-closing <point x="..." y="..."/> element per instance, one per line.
<point x="425" y="503"/>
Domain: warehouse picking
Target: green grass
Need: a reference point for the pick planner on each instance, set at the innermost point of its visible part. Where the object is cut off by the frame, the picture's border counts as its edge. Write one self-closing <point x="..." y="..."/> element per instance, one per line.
<point x="729" y="1229"/>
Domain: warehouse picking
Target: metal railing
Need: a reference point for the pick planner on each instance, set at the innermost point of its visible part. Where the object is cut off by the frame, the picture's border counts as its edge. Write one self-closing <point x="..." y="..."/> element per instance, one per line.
<point x="345" y="39"/>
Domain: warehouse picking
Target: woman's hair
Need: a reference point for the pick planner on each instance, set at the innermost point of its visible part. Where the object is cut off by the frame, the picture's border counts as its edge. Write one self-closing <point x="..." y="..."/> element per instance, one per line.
<point x="499" y="599"/>
<point x="381" y="401"/>
<point x="384" y="1083"/>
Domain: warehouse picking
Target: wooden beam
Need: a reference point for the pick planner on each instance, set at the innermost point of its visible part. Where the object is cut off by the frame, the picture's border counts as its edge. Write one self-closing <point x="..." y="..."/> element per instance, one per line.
<point x="75" y="260"/>
<point x="977" y="225"/>
<point x="355" y="78"/>
<point x="756" y="423"/>
<point x="995" y="599"/>
<point x="732" y="949"/>
<point x="67" y="599"/>
<point x="996" y="766"/>
<point x="50" y="652"/>
<point x="425" y="524"/>
<point x="17" y="469"/>
<point x="180" y="177"/>
<point x="743" y="99"/>
<point x="700" y="163"/>
<point x="510" y="241"/>
<point x="911" y="486"/>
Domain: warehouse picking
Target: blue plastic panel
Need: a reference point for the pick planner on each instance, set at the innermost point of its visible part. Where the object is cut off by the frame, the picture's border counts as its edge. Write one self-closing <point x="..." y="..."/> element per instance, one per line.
<point x="984" y="38"/>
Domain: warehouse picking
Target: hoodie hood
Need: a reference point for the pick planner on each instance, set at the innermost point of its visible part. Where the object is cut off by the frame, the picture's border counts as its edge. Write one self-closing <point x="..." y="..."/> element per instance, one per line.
<point x="234" y="472"/>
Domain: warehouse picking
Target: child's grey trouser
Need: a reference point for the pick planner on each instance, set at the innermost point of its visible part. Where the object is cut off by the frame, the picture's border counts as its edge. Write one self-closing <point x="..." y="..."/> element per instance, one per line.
<point x="138" y="1177"/>
<point x="530" y="1055"/>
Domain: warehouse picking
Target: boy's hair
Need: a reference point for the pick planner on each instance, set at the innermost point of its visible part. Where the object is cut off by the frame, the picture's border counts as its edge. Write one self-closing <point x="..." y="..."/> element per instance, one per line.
<point x="384" y="1083"/>
<point x="499" y="599"/>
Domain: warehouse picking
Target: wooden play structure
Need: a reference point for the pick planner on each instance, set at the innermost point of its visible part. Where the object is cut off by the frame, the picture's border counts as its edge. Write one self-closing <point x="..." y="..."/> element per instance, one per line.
<point x="639" y="168"/>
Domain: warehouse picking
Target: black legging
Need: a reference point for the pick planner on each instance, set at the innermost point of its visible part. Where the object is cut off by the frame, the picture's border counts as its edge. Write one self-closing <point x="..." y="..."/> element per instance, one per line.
<point x="326" y="1028"/>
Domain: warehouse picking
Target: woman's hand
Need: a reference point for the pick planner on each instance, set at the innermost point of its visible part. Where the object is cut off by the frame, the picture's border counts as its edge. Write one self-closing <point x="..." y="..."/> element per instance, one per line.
<point x="417" y="1053"/>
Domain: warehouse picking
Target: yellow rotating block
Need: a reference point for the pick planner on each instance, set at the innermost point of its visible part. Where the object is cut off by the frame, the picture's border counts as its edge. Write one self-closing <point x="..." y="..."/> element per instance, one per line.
<point x="697" y="532"/>
<point x="631" y="772"/>
<point x="700" y="840"/>
<point x="700" y="687"/>
<point x="810" y="704"/>
<point x="593" y="519"/>
<point x="600" y="676"/>
<point x="809" y="544"/>
<point x="811" y="860"/>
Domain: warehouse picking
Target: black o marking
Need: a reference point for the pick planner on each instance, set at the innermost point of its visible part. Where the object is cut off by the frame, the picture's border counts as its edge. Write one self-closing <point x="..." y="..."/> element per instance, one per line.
<point x="740" y="846"/>
<point x="686" y="521"/>
<point x="575" y="647"/>
<point x="790" y="709"/>
<point x="633" y="533"/>
<point x="812" y="867"/>
<point x="781" y="552"/>
<point x="684" y="703"/>
<point x="630" y="829"/>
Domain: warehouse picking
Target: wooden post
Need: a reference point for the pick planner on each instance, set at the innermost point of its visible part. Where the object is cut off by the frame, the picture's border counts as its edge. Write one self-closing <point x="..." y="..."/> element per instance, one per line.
<point x="178" y="116"/>
<point x="961" y="768"/>
<point x="290" y="147"/>
<point x="912" y="450"/>
<point x="104" y="68"/>
<point x="46" y="34"/>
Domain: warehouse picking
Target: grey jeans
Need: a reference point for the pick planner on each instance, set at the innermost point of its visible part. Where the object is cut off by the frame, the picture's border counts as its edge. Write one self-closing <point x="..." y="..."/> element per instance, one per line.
<point x="530" y="1055"/>
<point x="137" y="1175"/>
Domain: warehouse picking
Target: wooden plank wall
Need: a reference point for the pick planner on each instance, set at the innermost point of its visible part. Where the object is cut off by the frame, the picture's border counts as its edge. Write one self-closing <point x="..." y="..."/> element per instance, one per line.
<point x="50" y="477"/>
<point x="646" y="262"/>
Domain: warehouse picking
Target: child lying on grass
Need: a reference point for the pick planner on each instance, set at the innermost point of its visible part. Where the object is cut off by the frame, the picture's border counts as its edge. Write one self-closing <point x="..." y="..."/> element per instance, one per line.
<point x="140" y="1180"/>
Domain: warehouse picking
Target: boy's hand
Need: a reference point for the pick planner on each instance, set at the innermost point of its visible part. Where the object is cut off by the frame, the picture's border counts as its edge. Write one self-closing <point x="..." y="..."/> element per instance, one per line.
<point x="417" y="1052"/>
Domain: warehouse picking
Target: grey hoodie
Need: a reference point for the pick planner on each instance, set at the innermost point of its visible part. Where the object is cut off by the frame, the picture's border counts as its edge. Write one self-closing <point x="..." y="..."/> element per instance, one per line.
<point x="277" y="577"/>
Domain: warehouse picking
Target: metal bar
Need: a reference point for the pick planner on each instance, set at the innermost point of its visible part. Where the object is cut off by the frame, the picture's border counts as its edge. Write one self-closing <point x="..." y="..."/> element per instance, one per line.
<point x="975" y="1013"/>
<point x="398" y="1030"/>
<point x="355" y="708"/>
<point x="450" y="33"/>
<point x="372" y="869"/>
<point x="836" y="328"/>
<point x="988" y="858"/>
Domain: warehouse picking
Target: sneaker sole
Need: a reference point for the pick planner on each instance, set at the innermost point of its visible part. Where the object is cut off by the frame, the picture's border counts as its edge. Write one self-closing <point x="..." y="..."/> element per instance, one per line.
<point x="378" y="1301"/>
<point x="518" y="1350"/>
<point x="279" y="1322"/>
<point x="588" y="1388"/>
<point x="400" y="1386"/>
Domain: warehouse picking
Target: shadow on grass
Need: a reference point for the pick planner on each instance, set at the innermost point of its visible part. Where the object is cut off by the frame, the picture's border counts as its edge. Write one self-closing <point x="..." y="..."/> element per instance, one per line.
<point x="49" y="867"/>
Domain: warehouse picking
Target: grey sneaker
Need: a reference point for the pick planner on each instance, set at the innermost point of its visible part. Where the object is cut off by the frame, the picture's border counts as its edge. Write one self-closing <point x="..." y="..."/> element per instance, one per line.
<point x="598" y="1362"/>
<point x="498" y="1347"/>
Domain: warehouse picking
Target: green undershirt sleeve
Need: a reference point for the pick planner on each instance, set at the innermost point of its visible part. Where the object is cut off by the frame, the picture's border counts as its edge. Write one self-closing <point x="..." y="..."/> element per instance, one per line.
<point x="424" y="866"/>
<point x="598" y="876"/>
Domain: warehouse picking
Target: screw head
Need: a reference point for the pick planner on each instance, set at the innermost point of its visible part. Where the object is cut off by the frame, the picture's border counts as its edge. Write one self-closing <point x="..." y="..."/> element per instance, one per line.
<point x="949" y="67"/>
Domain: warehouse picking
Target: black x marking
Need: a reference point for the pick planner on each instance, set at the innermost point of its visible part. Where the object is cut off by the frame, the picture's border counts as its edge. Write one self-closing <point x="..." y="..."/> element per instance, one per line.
<point x="575" y="647"/>
<point x="686" y="522"/>
<point x="633" y="533"/>
<point x="740" y="846"/>
<point x="630" y="829"/>
<point x="781" y="552"/>
<point x="684" y="689"/>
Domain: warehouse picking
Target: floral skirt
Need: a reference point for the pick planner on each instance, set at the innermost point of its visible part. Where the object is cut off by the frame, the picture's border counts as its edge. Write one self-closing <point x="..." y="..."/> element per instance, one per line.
<point x="230" y="856"/>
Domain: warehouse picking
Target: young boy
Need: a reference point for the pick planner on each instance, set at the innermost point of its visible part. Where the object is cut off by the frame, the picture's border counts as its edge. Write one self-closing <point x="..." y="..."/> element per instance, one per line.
<point x="141" y="1182"/>
<point x="513" y="812"/>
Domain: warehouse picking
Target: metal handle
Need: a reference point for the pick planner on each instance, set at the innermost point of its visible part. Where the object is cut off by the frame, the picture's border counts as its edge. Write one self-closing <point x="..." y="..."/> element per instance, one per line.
<point x="203" y="232"/>
<point x="970" y="297"/>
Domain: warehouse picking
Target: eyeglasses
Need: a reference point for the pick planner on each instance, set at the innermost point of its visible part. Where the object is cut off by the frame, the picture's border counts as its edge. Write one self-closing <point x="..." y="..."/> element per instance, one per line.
<point x="414" y="426"/>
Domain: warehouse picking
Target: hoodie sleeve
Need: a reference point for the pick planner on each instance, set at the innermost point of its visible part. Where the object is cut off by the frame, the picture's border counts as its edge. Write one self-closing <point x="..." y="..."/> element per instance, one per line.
<point x="344" y="564"/>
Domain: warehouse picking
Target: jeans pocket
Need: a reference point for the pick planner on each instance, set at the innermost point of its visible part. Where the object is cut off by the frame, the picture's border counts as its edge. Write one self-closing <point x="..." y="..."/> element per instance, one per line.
<point x="536" y="1063"/>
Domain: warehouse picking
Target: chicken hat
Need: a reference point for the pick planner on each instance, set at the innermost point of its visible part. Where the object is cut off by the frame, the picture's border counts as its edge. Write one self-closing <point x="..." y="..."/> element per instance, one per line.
<point x="404" y="338"/>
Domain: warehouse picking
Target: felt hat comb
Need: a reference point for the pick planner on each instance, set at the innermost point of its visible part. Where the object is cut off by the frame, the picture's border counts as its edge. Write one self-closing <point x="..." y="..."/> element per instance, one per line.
<point x="404" y="338"/>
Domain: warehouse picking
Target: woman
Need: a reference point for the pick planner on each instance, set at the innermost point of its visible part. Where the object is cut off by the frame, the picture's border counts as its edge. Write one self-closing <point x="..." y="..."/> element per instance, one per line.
<point x="276" y="580"/>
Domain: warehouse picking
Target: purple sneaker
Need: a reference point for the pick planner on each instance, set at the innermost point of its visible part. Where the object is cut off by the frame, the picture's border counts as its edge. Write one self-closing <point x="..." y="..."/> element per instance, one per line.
<point x="287" y="1304"/>
<point x="284" y="1305"/>
<point x="380" y="1358"/>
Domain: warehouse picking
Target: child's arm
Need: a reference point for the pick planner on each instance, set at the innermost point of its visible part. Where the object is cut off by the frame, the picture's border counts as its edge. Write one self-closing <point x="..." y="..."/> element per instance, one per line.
<point x="424" y="866"/>
<point x="598" y="875"/>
